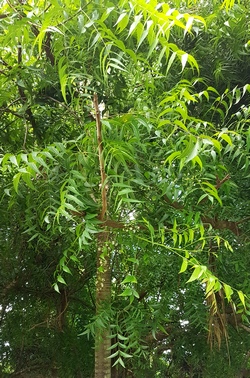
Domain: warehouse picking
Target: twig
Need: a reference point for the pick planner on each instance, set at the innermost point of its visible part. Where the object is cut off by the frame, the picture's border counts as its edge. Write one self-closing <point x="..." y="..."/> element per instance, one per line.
<point x="220" y="182"/>
<point x="243" y="220"/>
<point x="25" y="136"/>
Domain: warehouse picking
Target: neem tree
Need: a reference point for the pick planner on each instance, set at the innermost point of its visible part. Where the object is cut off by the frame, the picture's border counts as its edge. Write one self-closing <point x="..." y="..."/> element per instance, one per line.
<point x="151" y="186"/>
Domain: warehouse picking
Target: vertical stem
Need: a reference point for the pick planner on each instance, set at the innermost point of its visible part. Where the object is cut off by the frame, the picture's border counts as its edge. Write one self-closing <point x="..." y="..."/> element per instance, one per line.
<point x="101" y="158"/>
<point x="103" y="275"/>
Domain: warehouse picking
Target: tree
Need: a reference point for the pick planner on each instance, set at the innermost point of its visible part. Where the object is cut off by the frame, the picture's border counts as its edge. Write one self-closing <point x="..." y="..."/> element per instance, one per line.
<point x="155" y="193"/>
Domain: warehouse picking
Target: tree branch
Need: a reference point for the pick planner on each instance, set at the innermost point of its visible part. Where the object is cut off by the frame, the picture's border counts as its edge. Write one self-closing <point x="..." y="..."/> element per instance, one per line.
<point x="215" y="223"/>
<point x="220" y="182"/>
<point x="219" y="224"/>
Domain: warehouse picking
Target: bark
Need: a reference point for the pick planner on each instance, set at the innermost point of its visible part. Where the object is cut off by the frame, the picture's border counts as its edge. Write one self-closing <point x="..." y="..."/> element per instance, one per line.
<point x="103" y="289"/>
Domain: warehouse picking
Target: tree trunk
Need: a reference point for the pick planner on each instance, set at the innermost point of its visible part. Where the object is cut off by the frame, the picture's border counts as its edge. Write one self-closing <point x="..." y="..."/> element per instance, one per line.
<point x="103" y="290"/>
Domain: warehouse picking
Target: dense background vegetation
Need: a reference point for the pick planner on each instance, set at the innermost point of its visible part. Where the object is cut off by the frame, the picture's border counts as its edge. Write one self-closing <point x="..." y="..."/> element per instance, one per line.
<point x="125" y="199"/>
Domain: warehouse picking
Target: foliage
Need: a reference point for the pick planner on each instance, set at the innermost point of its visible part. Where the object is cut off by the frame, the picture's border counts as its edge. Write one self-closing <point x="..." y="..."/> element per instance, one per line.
<point x="175" y="150"/>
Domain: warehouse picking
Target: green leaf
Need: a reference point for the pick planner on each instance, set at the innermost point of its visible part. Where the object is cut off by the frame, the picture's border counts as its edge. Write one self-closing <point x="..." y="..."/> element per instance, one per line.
<point x="118" y="361"/>
<point x="194" y="152"/>
<point x="127" y="292"/>
<point x="13" y="160"/>
<point x="210" y="284"/>
<point x="242" y="297"/>
<point x="61" y="280"/>
<point x="74" y="199"/>
<point x="122" y="22"/>
<point x="197" y="160"/>
<point x="74" y="258"/>
<point x="125" y="191"/>
<point x="39" y="160"/>
<point x="228" y="291"/>
<point x="133" y="260"/>
<point x="188" y="24"/>
<point x="142" y="37"/>
<point x="90" y="216"/>
<point x="184" y="265"/>
<point x="131" y="200"/>
<point x="114" y="354"/>
<point x="16" y="180"/>
<point x="26" y="176"/>
<point x="134" y="24"/>
<point x="184" y="59"/>
<point x="34" y="236"/>
<point x="69" y="206"/>
<point x="66" y="269"/>
<point x="106" y="13"/>
<point x="173" y="156"/>
<point x="121" y="337"/>
<point x="136" y="294"/>
<point x="129" y="278"/>
<point x="227" y="138"/>
<point x="47" y="154"/>
<point x="126" y="355"/>
<point x="170" y="61"/>
<point x="63" y="77"/>
<point x="212" y="191"/>
<point x="197" y="273"/>
<point x="33" y="168"/>
<point x="56" y="288"/>
<point x="192" y="61"/>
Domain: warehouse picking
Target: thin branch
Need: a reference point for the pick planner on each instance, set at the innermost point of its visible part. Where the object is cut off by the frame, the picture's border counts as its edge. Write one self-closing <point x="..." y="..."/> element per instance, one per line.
<point x="83" y="303"/>
<point x="220" y="182"/>
<point x="48" y="50"/>
<point x="91" y="296"/>
<point x="6" y="110"/>
<point x="6" y="64"/>
<point x="72" y="112"/>
<point x="44" y="323"/>
<point x="3" y="73"/>
<point x="218" y="224"/>
<point x="244" y="327"/>
<point x="12" y="6"/>
<point x="25" y="136"/>
<point x="68" y="19"/>
<point x="243" y="220"/>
